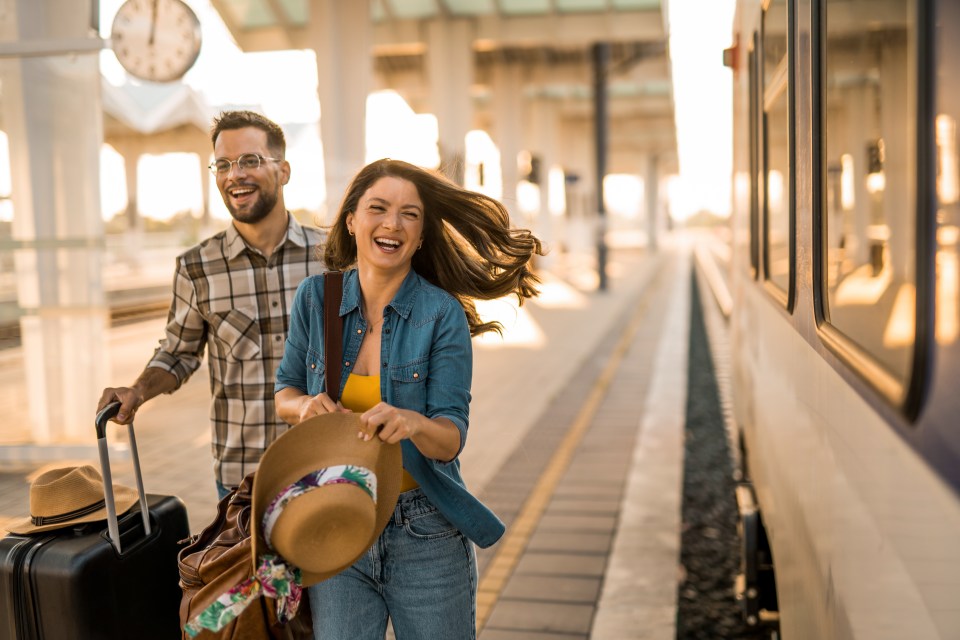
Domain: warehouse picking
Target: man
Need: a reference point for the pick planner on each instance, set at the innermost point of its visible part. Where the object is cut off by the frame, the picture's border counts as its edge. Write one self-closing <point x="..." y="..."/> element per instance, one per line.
<point x="231" y="295"/>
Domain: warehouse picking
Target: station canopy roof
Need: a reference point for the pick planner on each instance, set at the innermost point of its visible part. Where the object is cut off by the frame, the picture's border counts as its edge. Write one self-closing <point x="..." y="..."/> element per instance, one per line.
<point x="551" y="38"/>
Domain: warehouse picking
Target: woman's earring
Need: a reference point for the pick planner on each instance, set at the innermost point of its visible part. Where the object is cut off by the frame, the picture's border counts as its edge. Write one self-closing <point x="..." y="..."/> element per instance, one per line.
<point x="350" y="231"/>
<point x="420" y="245"/>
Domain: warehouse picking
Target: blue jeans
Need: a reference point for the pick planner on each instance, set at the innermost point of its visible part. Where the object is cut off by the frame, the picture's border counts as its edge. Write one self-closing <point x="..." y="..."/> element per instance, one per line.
<point x="222" y="491"/>
<point x="421" y="573"/>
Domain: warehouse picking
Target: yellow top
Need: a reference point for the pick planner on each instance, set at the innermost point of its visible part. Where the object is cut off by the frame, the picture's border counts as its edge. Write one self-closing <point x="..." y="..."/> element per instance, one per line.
<point x="362" y="393"/>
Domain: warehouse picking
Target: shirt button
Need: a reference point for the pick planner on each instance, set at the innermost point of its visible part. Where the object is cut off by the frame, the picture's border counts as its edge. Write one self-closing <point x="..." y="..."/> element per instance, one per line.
<point x="275" y="304"/>
<point x="384" y="365"/>
<point x="386" y="330"/>
<point x="279" y="338"/>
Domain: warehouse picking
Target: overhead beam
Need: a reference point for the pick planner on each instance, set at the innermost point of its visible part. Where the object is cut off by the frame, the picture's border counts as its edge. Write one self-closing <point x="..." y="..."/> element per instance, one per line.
<point x="579" y="29"/>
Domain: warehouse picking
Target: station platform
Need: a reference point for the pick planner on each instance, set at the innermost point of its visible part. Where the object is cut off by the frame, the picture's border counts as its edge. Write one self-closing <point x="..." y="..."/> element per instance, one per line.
<point x="576" y="442"/>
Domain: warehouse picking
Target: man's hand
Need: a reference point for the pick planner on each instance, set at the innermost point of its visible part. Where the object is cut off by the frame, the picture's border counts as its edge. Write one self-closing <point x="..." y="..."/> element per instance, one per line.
<point x="129" y="398"/>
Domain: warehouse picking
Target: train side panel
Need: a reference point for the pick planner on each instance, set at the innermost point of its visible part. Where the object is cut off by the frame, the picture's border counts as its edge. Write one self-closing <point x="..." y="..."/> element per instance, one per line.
<point x="860" y="501"/>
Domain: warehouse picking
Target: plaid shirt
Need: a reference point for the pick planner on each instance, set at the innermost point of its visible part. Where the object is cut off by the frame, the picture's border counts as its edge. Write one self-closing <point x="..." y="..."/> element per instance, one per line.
<point x="230" y="299"/>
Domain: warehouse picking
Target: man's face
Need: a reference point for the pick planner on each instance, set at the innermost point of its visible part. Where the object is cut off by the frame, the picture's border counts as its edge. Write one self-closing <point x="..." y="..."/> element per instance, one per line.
<point x="250" y="194"/>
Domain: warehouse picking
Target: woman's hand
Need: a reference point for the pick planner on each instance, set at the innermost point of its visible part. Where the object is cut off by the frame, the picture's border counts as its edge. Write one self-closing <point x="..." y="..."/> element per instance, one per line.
<point x="294" y="406"/>
<point x="321" y="403"/>
<point x="394" y="424"/>
<point x="436" y="438"/>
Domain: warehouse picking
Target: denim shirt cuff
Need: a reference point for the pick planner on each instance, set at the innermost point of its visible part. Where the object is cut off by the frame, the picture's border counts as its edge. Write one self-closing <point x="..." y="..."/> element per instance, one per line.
<point x="462" y="428"/>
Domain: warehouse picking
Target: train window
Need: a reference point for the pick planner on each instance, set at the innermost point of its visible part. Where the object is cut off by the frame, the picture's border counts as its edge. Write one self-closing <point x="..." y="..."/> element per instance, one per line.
<point x="947" y="134"/>
<point x="948" y="228"/>
<point x="869" y="89"/>
<point x="776" y="147"/>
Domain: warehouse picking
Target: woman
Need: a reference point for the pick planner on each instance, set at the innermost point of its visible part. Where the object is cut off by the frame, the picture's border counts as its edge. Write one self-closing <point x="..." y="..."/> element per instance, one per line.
<point x="416" y="250"/>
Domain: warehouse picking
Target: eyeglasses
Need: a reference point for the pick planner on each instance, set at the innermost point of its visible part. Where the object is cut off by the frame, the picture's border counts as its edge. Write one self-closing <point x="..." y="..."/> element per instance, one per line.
<point x="247" y="162"/>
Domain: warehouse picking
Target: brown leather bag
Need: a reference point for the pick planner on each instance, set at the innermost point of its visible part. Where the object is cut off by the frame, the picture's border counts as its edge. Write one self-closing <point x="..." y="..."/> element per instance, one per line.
<point x="219" y="558"/>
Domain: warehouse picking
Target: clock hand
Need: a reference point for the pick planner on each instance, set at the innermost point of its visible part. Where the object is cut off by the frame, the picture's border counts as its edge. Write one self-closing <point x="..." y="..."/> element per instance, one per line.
<point x="153" y="23"/>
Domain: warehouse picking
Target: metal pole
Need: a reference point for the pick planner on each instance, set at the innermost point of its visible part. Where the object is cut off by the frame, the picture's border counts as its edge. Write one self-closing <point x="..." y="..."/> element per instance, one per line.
<point x="601" y="57"/>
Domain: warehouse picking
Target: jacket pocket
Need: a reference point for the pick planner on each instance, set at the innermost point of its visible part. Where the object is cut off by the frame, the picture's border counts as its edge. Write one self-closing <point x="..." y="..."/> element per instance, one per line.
<point x="237" y="334"/>
<point x="409" y="383"/>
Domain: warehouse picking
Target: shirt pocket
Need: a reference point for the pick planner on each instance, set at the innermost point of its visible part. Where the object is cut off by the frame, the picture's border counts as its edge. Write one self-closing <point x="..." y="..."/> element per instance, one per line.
<point x="409" y="382"/>
<point x="237" y="334"/>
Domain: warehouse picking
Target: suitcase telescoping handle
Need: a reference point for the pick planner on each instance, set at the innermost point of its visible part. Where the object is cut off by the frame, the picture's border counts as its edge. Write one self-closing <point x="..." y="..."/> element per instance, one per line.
<point x="113" y="528"/>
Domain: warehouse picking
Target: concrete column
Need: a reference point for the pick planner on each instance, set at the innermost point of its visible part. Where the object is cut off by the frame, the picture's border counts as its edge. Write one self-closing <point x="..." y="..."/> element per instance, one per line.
<point x="545" y="134"/>
<point x="53" y="117"/>
<point x="508" y="130"/>
<point x="450" y="74"/>
<point x="131" y="160"/>
<point x="341" y="36"/>
<point x="203" y="158"/>
<point x="651" y="196"/>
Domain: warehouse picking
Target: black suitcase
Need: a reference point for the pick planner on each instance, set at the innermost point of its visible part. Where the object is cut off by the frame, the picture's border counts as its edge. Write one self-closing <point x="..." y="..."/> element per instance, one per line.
<point x="91" y="582"/>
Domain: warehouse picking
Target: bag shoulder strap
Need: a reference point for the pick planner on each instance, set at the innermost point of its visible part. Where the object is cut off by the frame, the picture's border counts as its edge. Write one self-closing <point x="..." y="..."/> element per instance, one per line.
<point x="332" y="330"/>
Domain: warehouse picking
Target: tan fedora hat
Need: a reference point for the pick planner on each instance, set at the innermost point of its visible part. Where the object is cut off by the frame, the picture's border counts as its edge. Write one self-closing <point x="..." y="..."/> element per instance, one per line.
<point x="326" y="494"/>
<point x="68" y="496"/>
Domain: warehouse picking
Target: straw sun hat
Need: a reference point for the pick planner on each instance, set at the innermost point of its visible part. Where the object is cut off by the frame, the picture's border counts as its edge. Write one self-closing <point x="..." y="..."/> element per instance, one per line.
<point x="68" y="496"/>
<point x="324" y="531"/>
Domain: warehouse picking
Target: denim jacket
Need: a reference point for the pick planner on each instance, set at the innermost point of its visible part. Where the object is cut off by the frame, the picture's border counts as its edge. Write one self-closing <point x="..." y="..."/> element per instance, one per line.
<point x="426" y="366"/>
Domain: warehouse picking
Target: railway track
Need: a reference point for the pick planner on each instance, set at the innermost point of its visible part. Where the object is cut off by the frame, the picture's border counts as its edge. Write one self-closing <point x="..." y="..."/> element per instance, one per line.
<point x="120" y="314"/>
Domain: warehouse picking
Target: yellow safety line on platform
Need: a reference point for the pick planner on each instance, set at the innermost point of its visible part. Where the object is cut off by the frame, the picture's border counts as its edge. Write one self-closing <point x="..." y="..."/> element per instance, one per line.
<point x="515" y="540"/>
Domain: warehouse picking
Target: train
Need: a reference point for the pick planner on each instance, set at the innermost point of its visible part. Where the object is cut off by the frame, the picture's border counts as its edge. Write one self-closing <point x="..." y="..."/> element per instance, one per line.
<point x="844" y="326"/>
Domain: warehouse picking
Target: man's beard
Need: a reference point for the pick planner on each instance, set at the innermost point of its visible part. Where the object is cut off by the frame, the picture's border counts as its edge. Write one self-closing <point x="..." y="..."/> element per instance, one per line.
<point x="260" y="210"/>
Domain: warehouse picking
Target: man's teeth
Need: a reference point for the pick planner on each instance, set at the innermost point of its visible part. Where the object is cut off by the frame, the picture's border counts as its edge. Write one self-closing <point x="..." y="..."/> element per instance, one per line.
<point x="241" y="192"/>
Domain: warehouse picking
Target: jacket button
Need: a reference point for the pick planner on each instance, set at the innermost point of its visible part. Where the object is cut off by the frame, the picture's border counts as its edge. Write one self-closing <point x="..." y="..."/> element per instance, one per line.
<point x="313" y="365"/>
<point x="416" y="376"/>
<point x="359" y="331"/>
<point x="347" y="363"/>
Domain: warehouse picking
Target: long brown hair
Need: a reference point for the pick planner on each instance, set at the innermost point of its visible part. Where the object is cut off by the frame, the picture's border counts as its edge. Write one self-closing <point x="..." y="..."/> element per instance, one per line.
<point x="469" y="248"/>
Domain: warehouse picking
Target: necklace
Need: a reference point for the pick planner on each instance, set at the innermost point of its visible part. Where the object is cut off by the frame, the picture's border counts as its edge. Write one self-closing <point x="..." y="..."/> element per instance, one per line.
<point x="371" y="323"/>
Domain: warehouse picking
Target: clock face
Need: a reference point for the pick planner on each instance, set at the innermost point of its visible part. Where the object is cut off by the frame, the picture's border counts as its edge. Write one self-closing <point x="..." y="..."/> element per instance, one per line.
<point x="156" y="40"/>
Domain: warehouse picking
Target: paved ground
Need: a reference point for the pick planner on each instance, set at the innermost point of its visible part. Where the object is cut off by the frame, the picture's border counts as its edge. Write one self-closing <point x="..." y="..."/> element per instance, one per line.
<point x="576" y="441"/>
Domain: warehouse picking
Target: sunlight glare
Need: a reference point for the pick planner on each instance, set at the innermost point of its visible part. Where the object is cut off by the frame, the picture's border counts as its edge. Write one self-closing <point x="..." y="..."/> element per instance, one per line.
<point x="702" y="89"/>
<point x="113" y="183"/>
<point x="900" y="330"/>
<point x="948" y="285"/>
<point x="623" y="195"/>
<point x="556" y="293"/>
<point x="519" y="327"/>
<point x="482" y="172"/>
<point x="6" y="184"/>
<point x="394" y="130"/>
<point x="557" y="191"/>
<point x="861" y="287"/>
<point x="169" y="184"/>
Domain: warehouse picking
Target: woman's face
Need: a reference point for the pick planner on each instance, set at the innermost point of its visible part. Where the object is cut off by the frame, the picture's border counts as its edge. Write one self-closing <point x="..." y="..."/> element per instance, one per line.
<point x="388" y="224"/>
